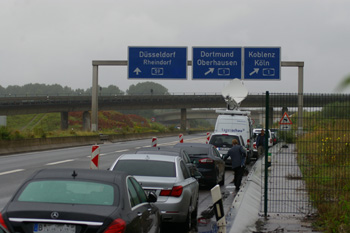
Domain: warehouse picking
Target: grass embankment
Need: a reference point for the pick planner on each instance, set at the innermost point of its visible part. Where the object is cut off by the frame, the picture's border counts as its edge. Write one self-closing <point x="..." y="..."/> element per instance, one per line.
<point x="49" y="124"/>
<point x="324" y="158"/>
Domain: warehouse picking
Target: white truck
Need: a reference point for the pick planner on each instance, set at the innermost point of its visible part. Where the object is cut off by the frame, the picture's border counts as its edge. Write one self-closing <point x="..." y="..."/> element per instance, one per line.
<point x="238" y="122"/>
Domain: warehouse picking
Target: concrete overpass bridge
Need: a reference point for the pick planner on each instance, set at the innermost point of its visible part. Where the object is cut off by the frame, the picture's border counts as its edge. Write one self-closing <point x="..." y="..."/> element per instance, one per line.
<point x="65" y="104"/>
<point x="173" y="117"/>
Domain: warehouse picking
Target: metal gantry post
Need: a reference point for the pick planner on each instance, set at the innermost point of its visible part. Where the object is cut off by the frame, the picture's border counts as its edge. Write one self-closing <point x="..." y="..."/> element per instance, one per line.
<point x="300" y="66"/>
<point x="94" y="100"/>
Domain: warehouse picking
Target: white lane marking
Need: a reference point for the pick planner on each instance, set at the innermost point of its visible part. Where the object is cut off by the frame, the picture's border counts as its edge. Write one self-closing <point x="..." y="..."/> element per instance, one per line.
<point x="9" y="172"/>
<point x="119" y="151"/>
<point x="168" y="143"/>
<point x="59" y="162"/>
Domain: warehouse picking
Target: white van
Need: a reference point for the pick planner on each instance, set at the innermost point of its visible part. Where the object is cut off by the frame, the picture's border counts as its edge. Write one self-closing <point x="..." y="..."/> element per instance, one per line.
<point x="238" y="122"/>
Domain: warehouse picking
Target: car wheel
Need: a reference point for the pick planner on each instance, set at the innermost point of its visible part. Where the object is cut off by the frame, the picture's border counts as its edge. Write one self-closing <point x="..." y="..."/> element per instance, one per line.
<point x="194" y="217"/>
<point x="188" y="223"/>
<point x="195" y="212"/>
<point x="222" y="182"/>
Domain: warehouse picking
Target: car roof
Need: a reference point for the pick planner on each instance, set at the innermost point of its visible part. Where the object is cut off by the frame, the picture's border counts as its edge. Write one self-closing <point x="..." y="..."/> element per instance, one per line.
<point x="147" y="156"/>
<point x="80" y="174"/>
<point x="193" y="144"/>
<point x="160" y="150"/>
<point x="224" y="133"/>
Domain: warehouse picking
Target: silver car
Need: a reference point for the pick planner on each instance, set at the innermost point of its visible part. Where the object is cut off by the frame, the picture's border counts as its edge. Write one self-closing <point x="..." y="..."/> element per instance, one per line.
<point x="170" y="179"/>
<point x="223" y="143"/>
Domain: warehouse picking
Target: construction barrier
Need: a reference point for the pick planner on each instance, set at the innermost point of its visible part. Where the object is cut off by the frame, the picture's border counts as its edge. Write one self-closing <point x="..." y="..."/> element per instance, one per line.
<point x="208" y="137"/>
<point x="94" y="157"/>
<point x="154" y="142"/>
<point x="181" y="138"/>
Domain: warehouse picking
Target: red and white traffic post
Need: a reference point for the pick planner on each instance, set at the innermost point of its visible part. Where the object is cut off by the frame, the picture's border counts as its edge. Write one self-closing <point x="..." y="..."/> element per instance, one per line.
<point x="181" y="138"/>
<point x="154" y="142"/>
<point x="208" y="137"/>
<point x="94" y="157"/>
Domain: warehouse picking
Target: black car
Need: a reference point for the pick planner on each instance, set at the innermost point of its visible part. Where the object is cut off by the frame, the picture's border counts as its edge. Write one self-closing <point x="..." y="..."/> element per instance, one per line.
<point x="81" y="200"/>
<point x="208" y="161"/>
<point x="172" y="152"/>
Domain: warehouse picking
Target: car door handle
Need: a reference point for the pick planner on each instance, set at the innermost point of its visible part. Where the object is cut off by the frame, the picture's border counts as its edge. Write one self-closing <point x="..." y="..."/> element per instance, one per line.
<point x="139" y="214"/>
<point x="150" y="210"/>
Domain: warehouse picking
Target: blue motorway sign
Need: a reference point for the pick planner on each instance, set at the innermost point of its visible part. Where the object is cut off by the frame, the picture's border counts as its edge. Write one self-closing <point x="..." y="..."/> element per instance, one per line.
<point x="262" y="63"/>
<point x="157" y="62"/>
<point x="216" y="63"/>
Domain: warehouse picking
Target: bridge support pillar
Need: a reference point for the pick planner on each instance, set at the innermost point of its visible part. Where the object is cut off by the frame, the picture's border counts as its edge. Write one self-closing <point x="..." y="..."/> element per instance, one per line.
<point x="183" y="118"/>
<point x="64" y="120"/>
<point x="86" y="121"/>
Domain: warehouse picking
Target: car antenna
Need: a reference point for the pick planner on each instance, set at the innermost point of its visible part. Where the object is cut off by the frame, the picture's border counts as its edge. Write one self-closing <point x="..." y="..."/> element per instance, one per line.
<point x="74" y="174"/>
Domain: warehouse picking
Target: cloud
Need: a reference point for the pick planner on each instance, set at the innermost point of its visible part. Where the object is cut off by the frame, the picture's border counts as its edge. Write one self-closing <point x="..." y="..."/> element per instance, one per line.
<point x="56" y="41"/>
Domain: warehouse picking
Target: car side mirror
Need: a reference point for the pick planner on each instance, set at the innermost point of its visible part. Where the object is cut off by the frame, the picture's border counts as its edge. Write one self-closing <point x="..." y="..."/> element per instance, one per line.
<point x="152" y="197"/>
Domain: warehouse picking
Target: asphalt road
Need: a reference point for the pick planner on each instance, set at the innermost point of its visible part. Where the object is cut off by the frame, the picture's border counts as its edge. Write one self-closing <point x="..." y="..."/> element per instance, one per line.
<point x="15" y="168"/>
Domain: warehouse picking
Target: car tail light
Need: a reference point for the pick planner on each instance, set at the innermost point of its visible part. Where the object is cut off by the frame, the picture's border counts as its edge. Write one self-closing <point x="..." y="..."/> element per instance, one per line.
<point x="248" y="142"/>
<point x="206" y="160"/>
<point x="176" y="191"/>
<point x="2" y="222"/>
<point x="117" y="226"/>
<point x="254" y="145"/>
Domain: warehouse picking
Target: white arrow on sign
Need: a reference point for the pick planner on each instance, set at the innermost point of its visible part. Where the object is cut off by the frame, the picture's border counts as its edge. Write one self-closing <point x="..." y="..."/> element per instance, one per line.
<point x="211" y="70"/>
<point x="256" y="70"/>
<point x="137" y="71"/>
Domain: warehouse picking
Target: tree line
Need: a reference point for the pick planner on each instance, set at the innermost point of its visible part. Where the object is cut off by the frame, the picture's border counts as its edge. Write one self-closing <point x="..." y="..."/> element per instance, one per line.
<point x="144" y="88"/>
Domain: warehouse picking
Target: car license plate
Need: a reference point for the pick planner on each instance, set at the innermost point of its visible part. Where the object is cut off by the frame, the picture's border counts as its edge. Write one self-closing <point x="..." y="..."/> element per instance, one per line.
<point x="54" y="228"/>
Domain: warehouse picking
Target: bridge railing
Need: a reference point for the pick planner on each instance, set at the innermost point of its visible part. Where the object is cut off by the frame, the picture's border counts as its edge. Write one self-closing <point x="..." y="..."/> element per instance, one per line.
<point x="102" y="94"/>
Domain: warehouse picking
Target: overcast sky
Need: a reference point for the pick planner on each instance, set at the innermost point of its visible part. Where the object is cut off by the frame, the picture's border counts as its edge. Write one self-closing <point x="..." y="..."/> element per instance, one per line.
<point x="55" y="41"/>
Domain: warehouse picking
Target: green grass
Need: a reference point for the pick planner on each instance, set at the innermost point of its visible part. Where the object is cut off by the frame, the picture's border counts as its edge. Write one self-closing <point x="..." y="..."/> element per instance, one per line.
<point x="49" y="124"/>
<point x="324" y="160"/>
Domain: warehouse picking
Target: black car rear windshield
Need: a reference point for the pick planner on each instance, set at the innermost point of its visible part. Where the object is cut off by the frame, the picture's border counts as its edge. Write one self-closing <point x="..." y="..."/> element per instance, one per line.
<point x="197" y="151"/>
<point x="146" y="168"/>
<point x="69" y="192"/>
<point x="223" y="140"/>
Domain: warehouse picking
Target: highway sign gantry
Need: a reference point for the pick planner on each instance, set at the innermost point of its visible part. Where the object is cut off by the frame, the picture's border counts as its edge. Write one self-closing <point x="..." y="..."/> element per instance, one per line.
<point x="157" y="62"/>
<point x="217" y="63"/>
<point x="262" y="63"/>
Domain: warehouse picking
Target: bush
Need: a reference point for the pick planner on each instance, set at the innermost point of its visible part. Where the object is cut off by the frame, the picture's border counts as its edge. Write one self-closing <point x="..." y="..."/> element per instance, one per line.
<point x="16" y="135"/>
<point x="336" y="110"/>
<point x="158" y="127"/>
<point x="39" y="132"/>
<point x="287" y="136"/>
<point x="4" y="133"/>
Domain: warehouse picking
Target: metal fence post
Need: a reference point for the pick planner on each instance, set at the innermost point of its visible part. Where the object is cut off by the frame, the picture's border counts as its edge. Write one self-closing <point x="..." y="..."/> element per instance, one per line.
<point x="266" y="146"/>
